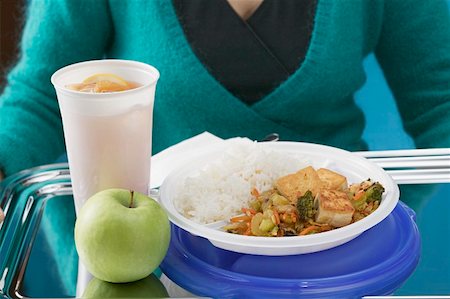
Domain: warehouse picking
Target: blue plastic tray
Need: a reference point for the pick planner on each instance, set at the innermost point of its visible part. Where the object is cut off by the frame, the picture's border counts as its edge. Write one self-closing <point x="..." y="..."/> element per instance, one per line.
<point x="376" y="263"/>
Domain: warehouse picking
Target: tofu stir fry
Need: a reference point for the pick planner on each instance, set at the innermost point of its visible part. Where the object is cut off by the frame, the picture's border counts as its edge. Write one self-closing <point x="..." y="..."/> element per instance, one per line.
<point x="306" y="202"/>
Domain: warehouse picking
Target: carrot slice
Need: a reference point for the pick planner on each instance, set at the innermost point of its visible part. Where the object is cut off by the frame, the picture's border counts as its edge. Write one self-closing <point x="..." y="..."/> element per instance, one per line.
<point x="241" y="218"/>
<point x="358" y="195"/>
<point x="254" y="192"/>
<point x="248" y="211"/>
<point x="309" y="230"/>
<point x="277" y="216"/>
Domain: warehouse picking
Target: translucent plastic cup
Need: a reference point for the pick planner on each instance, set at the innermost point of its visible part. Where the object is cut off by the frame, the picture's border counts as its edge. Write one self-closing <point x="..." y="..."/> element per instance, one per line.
<point x="108" y="135"/>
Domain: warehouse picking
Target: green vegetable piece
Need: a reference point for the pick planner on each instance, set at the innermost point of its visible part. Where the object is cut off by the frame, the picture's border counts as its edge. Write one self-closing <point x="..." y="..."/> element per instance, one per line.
<point x="279" y="200"/>
<point x="266" y="225"/>
<point x="375" y="192"/>
<point x="359" y="204"/>
<point x="305" y="207"/>
<point x="255" y="223"/>
<point x="256" y="205"/>
<point x="372" y="193"/>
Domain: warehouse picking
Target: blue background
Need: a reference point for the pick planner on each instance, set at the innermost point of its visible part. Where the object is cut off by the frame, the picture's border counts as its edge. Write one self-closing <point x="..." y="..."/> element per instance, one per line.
<point x="384" y="131"/>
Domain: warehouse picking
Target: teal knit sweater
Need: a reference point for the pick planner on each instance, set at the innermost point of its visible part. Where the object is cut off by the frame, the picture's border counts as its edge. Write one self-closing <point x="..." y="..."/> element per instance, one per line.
<point x="411" y="40"/>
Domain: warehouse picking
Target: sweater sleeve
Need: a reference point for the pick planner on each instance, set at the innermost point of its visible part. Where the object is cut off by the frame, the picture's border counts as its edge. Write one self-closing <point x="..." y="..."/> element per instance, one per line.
<point x="414" y="53"/>
<point x="56" y="33"/>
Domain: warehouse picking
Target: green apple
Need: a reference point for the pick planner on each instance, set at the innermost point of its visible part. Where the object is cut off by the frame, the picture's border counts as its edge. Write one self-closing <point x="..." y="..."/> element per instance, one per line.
<point x="149" y="287"/>
<point x="121" y="235"/>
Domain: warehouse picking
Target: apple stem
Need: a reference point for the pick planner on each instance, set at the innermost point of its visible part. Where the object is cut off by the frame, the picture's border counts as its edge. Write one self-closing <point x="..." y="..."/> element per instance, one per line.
<point x="131" y="200"/>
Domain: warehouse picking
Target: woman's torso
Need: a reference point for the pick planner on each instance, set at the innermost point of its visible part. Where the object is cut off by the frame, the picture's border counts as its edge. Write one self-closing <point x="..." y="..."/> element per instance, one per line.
<point x="313" y="103"/>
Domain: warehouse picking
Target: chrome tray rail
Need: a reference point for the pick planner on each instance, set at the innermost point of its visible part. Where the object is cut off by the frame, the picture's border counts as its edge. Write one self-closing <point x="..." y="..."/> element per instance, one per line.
<point x="33" y="254"/>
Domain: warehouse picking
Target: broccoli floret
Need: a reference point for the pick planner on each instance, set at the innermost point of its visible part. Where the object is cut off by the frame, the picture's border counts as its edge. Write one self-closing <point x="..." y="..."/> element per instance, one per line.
<point x="375" y="192"/>
<point x="305" y="207"/>
<point x="368" y="194"/>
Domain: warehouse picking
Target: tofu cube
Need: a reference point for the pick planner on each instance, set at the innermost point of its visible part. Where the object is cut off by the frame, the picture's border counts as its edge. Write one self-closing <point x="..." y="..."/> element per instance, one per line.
<point x="332" y="180"/>
<point x="294" y="185"/>
<point x="333" y="208"/>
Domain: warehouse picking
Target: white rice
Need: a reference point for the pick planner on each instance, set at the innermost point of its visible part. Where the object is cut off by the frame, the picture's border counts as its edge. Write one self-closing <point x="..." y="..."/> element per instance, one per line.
<point x="220" y="189"/>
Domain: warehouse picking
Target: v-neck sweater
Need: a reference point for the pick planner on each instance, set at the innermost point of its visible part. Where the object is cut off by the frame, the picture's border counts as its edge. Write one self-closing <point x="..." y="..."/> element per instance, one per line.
<point x="411" y="40"/>
<point x="248" y="57"/>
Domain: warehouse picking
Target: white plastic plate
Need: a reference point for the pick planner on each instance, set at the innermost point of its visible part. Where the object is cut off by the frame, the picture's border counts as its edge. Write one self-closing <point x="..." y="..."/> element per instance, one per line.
<point x="354" y="167"/>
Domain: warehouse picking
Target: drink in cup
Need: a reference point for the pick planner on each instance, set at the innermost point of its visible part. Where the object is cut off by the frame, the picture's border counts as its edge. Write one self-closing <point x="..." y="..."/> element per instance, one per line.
<point x="107" y="110"/>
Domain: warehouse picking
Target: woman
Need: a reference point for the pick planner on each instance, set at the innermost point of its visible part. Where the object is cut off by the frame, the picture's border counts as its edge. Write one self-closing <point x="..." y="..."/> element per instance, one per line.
<point x="236" y="68"/>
